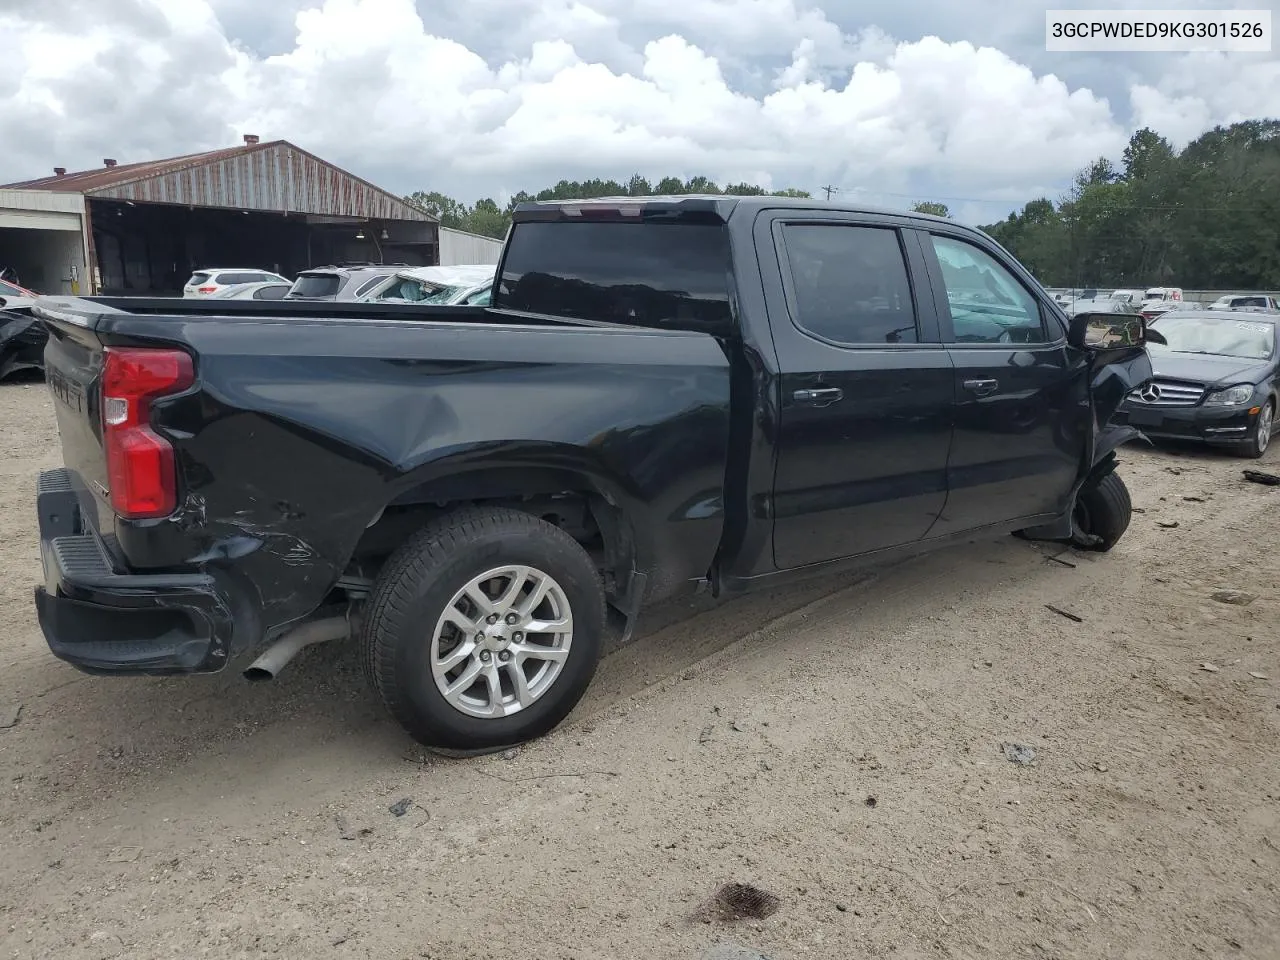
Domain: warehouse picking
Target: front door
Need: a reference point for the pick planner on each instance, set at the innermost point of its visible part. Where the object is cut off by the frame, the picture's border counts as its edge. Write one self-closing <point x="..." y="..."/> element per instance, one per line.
<point x="1021" y="412"/>
<point x="867" y="392"/>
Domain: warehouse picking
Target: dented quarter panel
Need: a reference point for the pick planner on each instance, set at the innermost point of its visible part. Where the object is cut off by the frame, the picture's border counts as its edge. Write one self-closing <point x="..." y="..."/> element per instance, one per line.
<point x="300" y="431"/>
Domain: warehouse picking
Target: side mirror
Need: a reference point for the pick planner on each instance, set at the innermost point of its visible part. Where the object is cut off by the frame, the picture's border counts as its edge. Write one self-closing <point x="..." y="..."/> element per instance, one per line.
<point x="1110" y="331"/>
<point x="3" y="303"/>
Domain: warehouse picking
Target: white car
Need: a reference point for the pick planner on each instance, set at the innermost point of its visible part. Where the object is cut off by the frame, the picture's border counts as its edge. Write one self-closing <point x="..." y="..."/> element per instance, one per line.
<point x="465" y="284"/>
<point x="206" y="283"/>
<point x="1241" y="301"/>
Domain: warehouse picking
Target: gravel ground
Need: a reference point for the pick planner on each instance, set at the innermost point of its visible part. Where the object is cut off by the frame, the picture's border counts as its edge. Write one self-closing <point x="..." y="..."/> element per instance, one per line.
<point x="839" y="746"/>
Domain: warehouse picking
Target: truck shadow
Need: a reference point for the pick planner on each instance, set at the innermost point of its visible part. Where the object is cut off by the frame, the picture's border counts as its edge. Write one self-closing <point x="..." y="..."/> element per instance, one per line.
<point x="81" y="738"/>
<point x="95" y="731"/>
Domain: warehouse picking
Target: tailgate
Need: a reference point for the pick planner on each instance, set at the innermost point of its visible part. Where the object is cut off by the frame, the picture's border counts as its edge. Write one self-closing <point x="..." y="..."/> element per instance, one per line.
<point x="73" y="368"/>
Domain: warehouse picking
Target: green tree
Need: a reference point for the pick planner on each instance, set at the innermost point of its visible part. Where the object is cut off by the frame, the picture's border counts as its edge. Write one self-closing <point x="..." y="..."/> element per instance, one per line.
<point x="488" y="219"/>
<point x="932" y="207"/>
<point x="1147" y="155"/>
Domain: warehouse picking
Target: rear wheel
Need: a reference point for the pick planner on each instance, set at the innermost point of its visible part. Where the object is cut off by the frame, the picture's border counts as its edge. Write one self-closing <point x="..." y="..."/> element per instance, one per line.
<point x="484" y="630"/>
<point x="1103" y="512"/>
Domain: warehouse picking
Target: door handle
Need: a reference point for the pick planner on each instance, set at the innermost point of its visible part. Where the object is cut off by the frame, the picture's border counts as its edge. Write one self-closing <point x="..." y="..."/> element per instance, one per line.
<point x="819" y="396"/>
<point x="982" y="387"/>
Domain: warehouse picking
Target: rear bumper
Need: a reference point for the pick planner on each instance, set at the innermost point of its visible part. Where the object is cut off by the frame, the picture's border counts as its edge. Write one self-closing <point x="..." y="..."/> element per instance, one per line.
<point x="1204" y="424"/>
<point x="104" y="621"/>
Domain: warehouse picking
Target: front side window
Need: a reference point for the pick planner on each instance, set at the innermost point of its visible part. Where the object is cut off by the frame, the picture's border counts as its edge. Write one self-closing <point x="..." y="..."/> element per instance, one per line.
<point x="850" y="283"/>
<point x="988" y="304"/>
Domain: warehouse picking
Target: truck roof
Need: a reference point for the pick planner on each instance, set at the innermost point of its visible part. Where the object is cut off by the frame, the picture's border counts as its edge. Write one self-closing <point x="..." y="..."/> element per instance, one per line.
<point x="720" y="205"/>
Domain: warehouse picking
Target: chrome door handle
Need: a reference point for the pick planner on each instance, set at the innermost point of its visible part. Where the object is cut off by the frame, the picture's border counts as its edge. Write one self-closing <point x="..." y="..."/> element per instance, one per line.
<point x="819" y="396"/>
<point x="982" y="387"/>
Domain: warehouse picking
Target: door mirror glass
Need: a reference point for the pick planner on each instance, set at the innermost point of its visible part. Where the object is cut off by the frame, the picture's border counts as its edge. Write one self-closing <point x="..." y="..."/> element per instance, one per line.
<point x="1110" y="331"/>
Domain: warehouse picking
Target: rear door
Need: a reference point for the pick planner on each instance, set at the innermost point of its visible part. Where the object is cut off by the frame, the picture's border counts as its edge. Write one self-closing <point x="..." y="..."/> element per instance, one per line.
<point x="867" y="392"/>
<point x="1021" y="419"/>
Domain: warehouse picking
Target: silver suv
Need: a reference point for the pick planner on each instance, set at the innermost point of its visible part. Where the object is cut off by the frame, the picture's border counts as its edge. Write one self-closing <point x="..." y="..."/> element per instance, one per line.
<point x="340" y="282"/>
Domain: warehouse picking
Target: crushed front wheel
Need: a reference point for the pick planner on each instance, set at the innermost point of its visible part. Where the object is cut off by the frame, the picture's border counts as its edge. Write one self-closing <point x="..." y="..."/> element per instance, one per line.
<point x="1102" y="514"/>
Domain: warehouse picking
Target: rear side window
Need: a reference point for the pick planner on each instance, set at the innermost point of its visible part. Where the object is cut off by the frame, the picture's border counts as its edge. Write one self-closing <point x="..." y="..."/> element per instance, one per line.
<point x="316" y="285"/>
<point x="273" y="292"/>
<point x="231" y="279"/>
<point x="849" y="283"/>
<point x="368" y="285"/>
<point x="198" y="279"/>
<point x="644" y="274"/>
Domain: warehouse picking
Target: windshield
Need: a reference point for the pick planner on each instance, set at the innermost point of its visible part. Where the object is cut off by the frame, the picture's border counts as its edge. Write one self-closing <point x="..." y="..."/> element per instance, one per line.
<point x="1248" y="339"/>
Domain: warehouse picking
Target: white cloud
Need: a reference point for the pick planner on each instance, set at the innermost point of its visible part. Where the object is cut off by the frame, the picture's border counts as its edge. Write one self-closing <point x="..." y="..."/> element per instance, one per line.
<point x="1205" y="89"/>
<point x="598" y="88"/>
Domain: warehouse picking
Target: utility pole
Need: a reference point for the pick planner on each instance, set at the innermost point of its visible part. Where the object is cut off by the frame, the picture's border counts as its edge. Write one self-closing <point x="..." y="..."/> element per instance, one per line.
<point x="829" y="190"/>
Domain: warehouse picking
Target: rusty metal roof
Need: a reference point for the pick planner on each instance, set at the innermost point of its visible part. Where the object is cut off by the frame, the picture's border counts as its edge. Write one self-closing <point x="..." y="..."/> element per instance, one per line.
<point x="275" y="176"/>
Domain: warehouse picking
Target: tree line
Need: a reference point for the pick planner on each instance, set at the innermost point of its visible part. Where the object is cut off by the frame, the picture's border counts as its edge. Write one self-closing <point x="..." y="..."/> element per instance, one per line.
<point x="487" y="218"/>
<point x="1206" y="217"/>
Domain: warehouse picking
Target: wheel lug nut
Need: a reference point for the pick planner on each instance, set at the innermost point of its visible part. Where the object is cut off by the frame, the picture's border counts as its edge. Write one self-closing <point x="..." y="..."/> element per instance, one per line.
<point x="504" y="656"/>
<point x="518" y="637"/>
<point x="479" y="638"/>
<point x="484" y="656"/>
<point x="492" y="618"/>
<point x="512" y="618"/>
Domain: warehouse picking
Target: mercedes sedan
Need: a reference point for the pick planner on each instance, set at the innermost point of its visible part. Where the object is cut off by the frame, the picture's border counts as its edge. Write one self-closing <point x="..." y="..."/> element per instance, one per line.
<point x="1215" y="381"/>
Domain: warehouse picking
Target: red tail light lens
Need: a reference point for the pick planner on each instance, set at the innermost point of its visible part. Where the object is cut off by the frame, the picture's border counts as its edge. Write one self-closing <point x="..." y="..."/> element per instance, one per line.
<point x="207" y="289"/>
<point x="140" y="466"/>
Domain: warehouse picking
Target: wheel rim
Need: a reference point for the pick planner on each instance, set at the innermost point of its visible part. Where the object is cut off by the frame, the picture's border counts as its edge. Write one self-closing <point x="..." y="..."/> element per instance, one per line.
<point x="501" y="642"/>
<point x="1264" y="428"/>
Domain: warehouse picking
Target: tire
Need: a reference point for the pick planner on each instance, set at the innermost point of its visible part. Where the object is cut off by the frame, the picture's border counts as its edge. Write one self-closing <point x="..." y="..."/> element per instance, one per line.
<point x="406" y="632"/>
<point x="1104" y="511"/>
<point x="1260" y="435"/>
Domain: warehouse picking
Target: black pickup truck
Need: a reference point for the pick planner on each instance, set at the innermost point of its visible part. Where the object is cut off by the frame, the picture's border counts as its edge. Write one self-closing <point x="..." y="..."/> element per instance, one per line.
<point x="665" y="395"/>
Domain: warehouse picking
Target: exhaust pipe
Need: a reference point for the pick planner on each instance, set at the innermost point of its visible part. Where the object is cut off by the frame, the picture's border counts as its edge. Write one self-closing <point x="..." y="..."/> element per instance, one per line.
<point x="274" y="658"/>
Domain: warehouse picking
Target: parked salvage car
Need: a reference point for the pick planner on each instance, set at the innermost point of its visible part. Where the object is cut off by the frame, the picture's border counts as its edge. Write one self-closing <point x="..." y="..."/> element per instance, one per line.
<point x="22" y="336"/>
<point x="1213" y="380"/>
<point x="210" y="282"/>
<point x="1263" y="301"/>
<point x="16" y="296"/>
<point x="442" y="285"/>
<point x="667" y="395"/>
<point x="340" y="282"/>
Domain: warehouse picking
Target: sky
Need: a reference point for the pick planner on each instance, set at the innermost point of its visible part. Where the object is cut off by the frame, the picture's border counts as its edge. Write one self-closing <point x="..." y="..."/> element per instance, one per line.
<point x="890" y="101"/>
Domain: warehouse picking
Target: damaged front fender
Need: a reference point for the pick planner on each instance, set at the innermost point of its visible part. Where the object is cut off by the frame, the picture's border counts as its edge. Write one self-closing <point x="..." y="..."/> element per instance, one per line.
<point x="1113" y="373"/>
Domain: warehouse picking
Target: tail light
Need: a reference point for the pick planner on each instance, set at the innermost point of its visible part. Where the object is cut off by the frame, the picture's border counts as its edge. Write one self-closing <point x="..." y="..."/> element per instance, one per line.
<point x="206" y="289"/>
<point x="140" y="465"/>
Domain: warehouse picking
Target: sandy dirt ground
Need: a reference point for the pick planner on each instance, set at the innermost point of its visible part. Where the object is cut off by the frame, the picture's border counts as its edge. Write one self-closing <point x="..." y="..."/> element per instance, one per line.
<point x="837" y="745"/>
